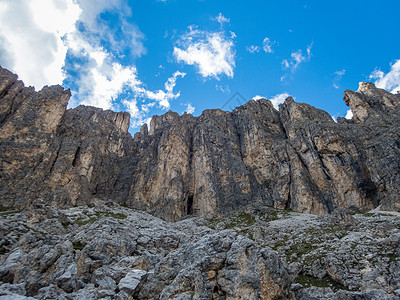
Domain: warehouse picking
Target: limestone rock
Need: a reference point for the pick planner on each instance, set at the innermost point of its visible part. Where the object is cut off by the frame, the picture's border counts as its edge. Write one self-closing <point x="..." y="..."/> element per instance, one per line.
<point x="124" y="254"/>
<point x="212" y="165"/>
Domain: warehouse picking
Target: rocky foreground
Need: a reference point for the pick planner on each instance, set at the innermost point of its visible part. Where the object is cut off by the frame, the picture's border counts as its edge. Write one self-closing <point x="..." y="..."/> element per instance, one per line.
<point x="106" y="251"/>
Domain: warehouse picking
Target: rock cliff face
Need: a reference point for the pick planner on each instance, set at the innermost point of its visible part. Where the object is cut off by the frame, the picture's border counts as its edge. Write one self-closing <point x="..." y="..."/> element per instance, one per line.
<point x="220" y="162"/>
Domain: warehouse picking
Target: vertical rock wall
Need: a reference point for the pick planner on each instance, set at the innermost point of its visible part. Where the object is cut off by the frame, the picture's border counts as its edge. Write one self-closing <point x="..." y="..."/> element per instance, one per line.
<point x="220" y="162"/>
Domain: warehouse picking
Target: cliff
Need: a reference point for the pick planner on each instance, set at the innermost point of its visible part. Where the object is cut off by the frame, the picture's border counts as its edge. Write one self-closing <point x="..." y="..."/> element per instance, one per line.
<point x="296" y="158"/>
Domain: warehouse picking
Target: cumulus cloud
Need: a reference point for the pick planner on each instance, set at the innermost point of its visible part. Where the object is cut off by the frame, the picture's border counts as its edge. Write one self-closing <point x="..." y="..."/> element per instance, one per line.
<point x="189" y="108"/>
<point x="31" y="35"/>
<point x="139" y="111"/>
<point x="163" y="97"/>
<point x="279" y="99"/>
<point x="211" y="52"/>
<point x="296" y="58"/>
<point x="72" y="42"/>
<point x="389" y="81"/>
<point x="349" y="114"/>
<point x="275" y="100"/>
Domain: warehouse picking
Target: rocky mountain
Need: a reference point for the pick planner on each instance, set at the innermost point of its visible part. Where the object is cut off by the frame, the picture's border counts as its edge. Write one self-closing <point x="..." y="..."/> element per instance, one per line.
<point x="296" y="158"/>
<point x="267" y="204"/>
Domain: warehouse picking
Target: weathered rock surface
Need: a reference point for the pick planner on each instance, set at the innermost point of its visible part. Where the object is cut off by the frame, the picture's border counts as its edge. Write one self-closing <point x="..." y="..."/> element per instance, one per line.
<point x="102" y="252"/>
<point x="331" y="256"/>
<point x="212" y="165"/>
<point x="113" y="252"/>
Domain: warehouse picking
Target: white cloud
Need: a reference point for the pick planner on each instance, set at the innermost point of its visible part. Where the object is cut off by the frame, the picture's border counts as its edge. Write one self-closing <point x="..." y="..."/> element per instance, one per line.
<point x="349" y="114"/>
<point x="54" y="41"/>
<point x="221" y="19"/>
<point x="296" y="59"/>
<point x="164" y="97"/>
<point x="104" y="83"/>
<point x="138" y="116"/>
<point x="389" y="81"/>
<point x="267" y="45"/>
<point x="275" y="100"/>
<point x="337" y="76"/>
<point x="25" y="27"/>
<point x="253" y="49"/>
<point x="279" y="99"/>
<point x="161" y="97"/>
<point x="189" y="108"/>
<point x="258" y="97"/>
<point x="212" y="52"/>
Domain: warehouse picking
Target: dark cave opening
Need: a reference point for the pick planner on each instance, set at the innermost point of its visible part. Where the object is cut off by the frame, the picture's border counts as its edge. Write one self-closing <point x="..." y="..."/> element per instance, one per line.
<point x="190" y="205"/>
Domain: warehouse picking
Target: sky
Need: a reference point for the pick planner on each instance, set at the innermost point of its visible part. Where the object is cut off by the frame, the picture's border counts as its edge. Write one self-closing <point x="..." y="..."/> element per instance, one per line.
<point x="150" y="56"/>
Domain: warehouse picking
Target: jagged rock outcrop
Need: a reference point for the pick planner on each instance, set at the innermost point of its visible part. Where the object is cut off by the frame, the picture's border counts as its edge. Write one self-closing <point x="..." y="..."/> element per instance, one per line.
<point x="106" y="251"/>
<point x="112" y="252"/>
<point x="220" y="162"/>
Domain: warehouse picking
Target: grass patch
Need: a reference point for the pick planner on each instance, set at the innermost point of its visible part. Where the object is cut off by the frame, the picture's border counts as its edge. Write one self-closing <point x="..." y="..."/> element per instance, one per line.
<point x="275" y="214"/>
<point x="393" y="257"/>
<point x="33" y="229"/>
<point x="241" y="219"/>
<point x="111" y="215"/>
<point x="78" y="245"/>
<point x="82" y="221"/>
<point x="90" y="220"/>
<point x="7" y="210"/>
<point x="337" y="230"/>
<point x="300" y="249"/>
<point x="213" y="223"/>
<point x="308" y="281"/>
<point x="282" y="242"/>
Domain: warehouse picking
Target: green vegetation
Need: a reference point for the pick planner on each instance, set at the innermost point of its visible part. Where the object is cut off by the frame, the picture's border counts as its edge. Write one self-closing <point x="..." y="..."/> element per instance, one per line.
<point x="111" y="215"/>
<point x="213" y="223"/>
<point x="6" y="210"/>
<point x="81" y="221"/>
<point x="337" y="230"/>
<point x="33" y="229"/>
<point x="3" y="249"/>
<point x="307" y="281"/>
<point x="85" y="221"/>
<point x="275" y="214"/>
<point x="78" y="245"/>
<point x="282" y="242"/>
<point x="241" y="219"/>
<point x="300" y="249"/>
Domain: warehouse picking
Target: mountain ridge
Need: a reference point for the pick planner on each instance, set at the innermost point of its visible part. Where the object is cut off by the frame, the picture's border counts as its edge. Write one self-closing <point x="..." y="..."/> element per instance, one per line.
<point x="216" y="164"/>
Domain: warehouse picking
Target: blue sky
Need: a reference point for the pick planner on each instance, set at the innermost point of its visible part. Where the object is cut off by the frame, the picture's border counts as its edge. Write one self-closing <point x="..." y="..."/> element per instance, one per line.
<point x="147" y="57"/>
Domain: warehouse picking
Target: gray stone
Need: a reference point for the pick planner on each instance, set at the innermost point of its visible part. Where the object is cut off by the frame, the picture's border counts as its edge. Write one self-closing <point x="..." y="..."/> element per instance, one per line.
<point x="130" y="282"/>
